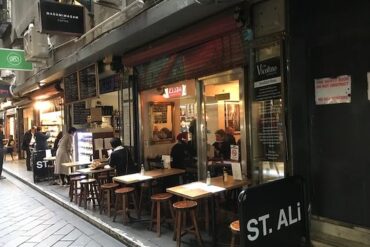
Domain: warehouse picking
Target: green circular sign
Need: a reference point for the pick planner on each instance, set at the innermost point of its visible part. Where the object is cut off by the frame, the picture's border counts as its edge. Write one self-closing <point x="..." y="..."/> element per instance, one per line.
<point x="14" y="58"/>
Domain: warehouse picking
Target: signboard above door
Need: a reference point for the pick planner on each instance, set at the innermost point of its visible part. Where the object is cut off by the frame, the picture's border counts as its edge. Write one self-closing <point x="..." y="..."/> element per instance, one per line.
<point x="61" y="18"/>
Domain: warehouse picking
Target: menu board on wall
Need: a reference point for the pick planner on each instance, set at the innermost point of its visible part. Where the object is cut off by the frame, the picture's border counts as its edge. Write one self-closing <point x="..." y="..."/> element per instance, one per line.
<point x="270" y="130"/>
<point x="109" y="84"/>
<point x="71" y="88"/>
<point x="80" y="113"/>
<point x="267" y="81"/>
<point x="87" y="79"/>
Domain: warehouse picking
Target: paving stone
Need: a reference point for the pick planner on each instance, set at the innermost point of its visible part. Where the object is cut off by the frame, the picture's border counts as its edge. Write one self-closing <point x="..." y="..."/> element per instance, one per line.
<point x="27" y="245"/>
<point x="15" y="241"/>
<point x="50" y="241"/>
<point x="63" y="244"/>
<point x="65" y="230"/>
<point x="73" y="235"/>
<point x="82" y="240"/>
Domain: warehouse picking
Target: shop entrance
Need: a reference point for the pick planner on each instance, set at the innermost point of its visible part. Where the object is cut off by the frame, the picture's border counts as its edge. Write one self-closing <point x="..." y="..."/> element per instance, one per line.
<point x="222" y="121"/>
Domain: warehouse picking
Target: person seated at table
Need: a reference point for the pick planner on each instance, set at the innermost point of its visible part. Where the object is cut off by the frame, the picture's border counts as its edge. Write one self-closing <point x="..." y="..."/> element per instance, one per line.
<point x="121" y="159"/>
<point x="181" y="158"/>
<point x="180" y="153"/>
<point x="229" y="137"/>
<point x="64" y="155"/>
<point x="221" y="146"/>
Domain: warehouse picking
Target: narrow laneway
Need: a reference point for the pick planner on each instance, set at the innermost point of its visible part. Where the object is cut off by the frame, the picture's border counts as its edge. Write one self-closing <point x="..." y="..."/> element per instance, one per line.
<point x="27" y="218"/>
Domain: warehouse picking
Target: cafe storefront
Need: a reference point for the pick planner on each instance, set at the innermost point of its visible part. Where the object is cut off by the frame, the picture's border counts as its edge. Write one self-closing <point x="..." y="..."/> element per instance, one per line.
<point x="197" y="90"/>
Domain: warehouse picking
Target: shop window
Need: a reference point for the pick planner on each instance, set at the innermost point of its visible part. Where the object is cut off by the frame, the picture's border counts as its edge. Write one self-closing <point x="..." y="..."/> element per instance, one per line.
<point x="166" y="111"/>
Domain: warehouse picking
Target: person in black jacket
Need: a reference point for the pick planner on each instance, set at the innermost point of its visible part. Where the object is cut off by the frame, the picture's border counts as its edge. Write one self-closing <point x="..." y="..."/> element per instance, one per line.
<point x="26" y="146"/>
<point x="121" y="159"/>
<point x="41" y="140"/>
<point x="180" y="152"/>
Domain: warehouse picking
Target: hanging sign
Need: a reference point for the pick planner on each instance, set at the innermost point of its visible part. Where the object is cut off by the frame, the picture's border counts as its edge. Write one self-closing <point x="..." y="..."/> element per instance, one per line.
<point x="61" y="18"/>
<point x="333" y="90"/>
<point x="13" y="59"/>
<point x="174" y="92"/>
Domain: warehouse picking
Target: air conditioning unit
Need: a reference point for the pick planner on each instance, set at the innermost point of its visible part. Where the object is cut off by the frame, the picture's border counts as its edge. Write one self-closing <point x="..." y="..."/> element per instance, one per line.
<point x="36" y="46"/>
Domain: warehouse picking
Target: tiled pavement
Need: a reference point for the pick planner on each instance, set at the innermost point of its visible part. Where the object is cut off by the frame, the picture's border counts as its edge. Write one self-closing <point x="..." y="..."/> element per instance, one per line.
<point x="29" y="219"/>
<point x="134" y="234"/>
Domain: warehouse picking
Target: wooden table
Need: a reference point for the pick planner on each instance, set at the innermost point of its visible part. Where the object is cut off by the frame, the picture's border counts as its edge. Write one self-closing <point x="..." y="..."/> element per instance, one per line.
<point x="148" y="175"/>
<point x="73" y="165"/>
<point x="94" y="172"/>
<point x="199" y="190"/>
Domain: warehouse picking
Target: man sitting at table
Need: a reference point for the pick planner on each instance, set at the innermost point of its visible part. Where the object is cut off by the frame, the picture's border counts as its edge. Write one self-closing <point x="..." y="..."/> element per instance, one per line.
<point x="121" y="159"/>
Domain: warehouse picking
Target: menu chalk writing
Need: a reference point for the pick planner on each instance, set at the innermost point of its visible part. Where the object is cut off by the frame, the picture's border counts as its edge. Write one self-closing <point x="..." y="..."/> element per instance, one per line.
<point x="109" y="84"/>
<point x="87" y="79"/>
<point x="71" y="88"/>
<point x="80" y="113"/>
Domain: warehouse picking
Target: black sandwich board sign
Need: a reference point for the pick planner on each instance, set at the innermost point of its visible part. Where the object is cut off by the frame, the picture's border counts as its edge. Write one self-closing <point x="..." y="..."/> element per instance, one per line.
<point x="39" y="166"/>
<point x="274" y="214"/>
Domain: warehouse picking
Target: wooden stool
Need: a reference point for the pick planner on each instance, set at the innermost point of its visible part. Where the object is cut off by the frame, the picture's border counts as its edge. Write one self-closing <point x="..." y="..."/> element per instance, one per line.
<point x="102" y="179"/>
<point x="89" y="191"/>
<point x="181" y="208"/>
<point x="157" y="199"/>
<point x="73" y="188"/>
<point x="106" y="189"/>
<point x="123" y="194"/>
<point x="235" y="230"/>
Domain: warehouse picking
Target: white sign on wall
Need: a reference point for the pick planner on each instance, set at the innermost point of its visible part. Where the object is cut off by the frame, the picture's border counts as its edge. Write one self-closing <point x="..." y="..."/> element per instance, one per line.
<point x="333" y="90"/>
<point x="368" y="85"/>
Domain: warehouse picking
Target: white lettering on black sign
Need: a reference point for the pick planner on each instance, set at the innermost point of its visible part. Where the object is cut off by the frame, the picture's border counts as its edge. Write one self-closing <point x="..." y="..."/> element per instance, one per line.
<point x="287" y="216"/>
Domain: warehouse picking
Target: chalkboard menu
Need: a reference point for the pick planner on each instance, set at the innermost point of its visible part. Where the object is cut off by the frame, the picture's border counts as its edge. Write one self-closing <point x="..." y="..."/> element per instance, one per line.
<point x="87" y="79"/>
<point x="80" y="113"/>
<point x="109" y="84"/>
<point x="70" y="88"/>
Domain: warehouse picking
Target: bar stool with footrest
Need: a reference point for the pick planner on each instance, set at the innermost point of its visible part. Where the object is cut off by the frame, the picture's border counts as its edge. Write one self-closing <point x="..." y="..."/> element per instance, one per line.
<point x="157" y="199"/>
<point x="235" y="230"/>
<point x="73" y="186"/>
<point x="107" y="189"/>
<point x="123" y="195"/>
<point x="181" y="208"/>
<point x="89" y="191"/>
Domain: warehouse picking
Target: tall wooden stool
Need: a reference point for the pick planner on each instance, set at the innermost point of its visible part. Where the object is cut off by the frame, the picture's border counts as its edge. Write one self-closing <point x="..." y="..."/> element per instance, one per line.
<point x="157" y="199"/>
<point x="107" y="189"/>
<point x="123" y="194"/>
<point x="235" y="230"/>
<point x="89" y="191"/>
<point x="181" y="208"/>
<point x="73" y="186"/>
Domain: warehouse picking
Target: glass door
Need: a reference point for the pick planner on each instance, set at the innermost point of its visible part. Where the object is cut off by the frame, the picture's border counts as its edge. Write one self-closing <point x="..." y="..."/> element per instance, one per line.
<point x="222" y="121"/>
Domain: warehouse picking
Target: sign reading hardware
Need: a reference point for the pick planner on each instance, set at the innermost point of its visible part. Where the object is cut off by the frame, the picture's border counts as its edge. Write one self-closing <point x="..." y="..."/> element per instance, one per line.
<point x="13" y="59"/>
<point x="274" y="214"/>
<point x="61" y="18"/>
